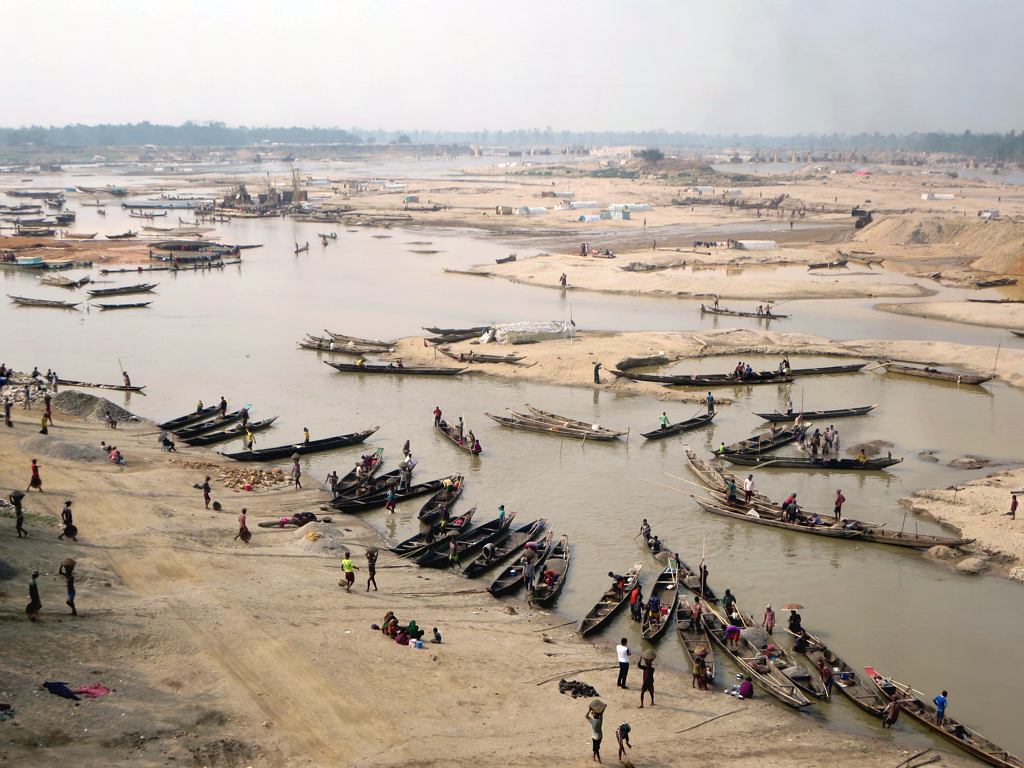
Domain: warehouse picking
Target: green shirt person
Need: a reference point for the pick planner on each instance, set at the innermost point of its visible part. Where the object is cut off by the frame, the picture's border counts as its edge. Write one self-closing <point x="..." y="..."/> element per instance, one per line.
<point x="663" y="420"/>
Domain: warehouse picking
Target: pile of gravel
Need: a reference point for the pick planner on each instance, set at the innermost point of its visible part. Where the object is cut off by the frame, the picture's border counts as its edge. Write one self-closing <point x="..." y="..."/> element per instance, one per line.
<point x="318" y="539"/>
<point x="90" y="407"/>
<point x="59" y="448"/>
<point x="755" y="636"/>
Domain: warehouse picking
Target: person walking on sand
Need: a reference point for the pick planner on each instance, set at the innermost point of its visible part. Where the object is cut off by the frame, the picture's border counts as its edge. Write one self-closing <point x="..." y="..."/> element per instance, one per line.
<point x="19" y="515"/>
<point x="622" y="653"/>
<point x="297" y="474"/>
<point x="597" y="373"/>
<point x="595" y="716"/>
<point x="34" y="604"/>
<point x="1012" y="514"/>
<point x="622" y="737"/>
<point x="646" y="665"/>
<point x="243" y="527"/>
<point x="67" y="570"/>
<point x="350" y="571"/>
<point x="7" y="413"/>
<point x="35" y="481"/>
<point x="69" y="523"/>
<point x="43" y="430"/>
<point x="205" y="488"/>
<point x="371" y="569"/>
<point x="48" y="407"/>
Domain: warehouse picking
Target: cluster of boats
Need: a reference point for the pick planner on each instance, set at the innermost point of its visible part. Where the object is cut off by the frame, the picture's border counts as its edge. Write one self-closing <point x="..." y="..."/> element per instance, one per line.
<point x="549" y="423"/>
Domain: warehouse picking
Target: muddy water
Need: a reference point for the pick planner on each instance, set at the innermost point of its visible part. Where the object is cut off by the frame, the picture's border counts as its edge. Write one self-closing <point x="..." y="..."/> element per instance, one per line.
<point x="233" y="332"/>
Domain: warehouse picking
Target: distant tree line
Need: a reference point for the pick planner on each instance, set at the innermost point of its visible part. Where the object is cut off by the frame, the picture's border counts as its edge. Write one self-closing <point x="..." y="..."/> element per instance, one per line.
<point x="996" y="146"/>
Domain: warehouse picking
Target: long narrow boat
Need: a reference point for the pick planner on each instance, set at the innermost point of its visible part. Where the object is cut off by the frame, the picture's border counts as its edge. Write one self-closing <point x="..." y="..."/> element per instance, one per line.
<point x="570" y="422"/>
<point x="844" y="678"/>
<point x="695" y="639"/>
<point x="827" y="370"/>
<point x="200" y="414"/>
<point x="371" y="486"/>
<point x="226" y="434"/>
<point x="923" y="712"/>
<point x="758" y="444"/>
<point x="59" y="281"/>
<point x="450" y="338"/>
<point x="209" y="426"/>
<point x="27" y="302"/>
<point x="122" y="290"/>
<point x="933" y="373"/>
<point x="706" y="380"/>
<point x="123" y="236"/>
<point x="452" y="435"/>
<point x="418" y="543"/>
<point x="829" y="264"/>
<point x="468" y="542"/>
<point x="391" y="368"/>
<point x="472" y="357"/>
<point x="353" y="476"/>
<point x="837" y="413"/>
<point x="666" y="588"/>
<point x="817" y="462"/>
<point x="752" y="663"/>
<point x="442" y="499"/>
<point x="369" y="501"/>
<point x="999" y="281"/>
<point x="358" y="341"/>
<point x="548" y="429"/>
<point x="476" y="330"/>
<point x="611" y="601"/>
<point x="735" y="313"/>
<point x="691" y="580"/>
<point x="87" y="385"/>
<point x="680" y="426"/>
<point x="321" y="344"/>
<point x="136" y="305"/>
<point x="313" y="446"/>
<point x="512" y="577"/>
<point x="750" y="515"/>
<point x="558" y="557"/>
<point x="505" y="546"/>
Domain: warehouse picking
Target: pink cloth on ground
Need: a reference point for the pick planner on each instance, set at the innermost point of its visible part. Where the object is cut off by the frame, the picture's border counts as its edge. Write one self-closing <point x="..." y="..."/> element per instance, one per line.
<point x="93" y="691"/>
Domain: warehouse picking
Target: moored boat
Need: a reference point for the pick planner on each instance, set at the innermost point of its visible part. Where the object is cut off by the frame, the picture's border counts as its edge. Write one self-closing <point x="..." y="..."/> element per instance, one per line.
<point x="313" y="446"/>
<point x="466" y="543"/>
<point x="611" y="601"/>
<point x="694" y="638"/>
<point x="395" y="369"/>
<point x="815" y="462"/>
<point x="680" y="426"/>
<point x="87" y="385"/>
<point x="122" y="289"/>
<point x="513" y="577"/>
<point x="200" y="414"/>
<point x="505" y="547"/>
<point x="209" y="438"/>
<point x="136" y="305"/>
<point x="550" y="578"/>
<point x="418" y="543"/>
<point x="836" y="413"/>
<point x="927" y="372"/>
<point x="25" y="301"/>
<point x="665" y="587"/>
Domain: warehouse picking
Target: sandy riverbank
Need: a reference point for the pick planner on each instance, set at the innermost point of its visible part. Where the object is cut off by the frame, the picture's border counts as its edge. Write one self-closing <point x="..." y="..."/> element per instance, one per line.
<point x="972" y="313"/>
<point x="222" y="654"/>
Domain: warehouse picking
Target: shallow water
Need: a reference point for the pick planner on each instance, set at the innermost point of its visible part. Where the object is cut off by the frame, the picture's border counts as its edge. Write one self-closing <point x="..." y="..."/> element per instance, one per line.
<point x="234" y="332"/>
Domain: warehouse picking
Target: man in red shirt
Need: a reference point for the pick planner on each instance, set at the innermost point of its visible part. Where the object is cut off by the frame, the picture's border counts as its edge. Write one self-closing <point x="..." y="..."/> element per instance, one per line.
<point x="838" y="510"/>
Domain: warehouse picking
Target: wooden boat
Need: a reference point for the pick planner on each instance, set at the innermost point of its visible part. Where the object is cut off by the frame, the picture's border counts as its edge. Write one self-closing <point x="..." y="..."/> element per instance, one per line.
<point x="1017" y="333"/>
<point x="327" y="235"/>
<point x="706" y="380"/>
<point x="680" y="426"/>
<point x="691" y="580"/>
<point x="372" y="486"/>
<point x="610" y="603"/>
<point x="557" y="560"/>
<point x="997" y="282"/>
<point x="144" y="215"/>
<point x="758" y="444"/>
<point x="136" y="305"/>
<point x="745" y="514"/>
<point x="815" y="462"/>
<point x="547" y="428"/>
<point x="59" y="281"/>
<point x="837" y="413"/>
<point x="566" y="421"/>
<point x="695" y="640"/>
<point x="505" y="546"/>
<point x="209" y="425"/>
<point x="825" y="370"/>
<point x="736" y="313"/>
<point x="452" y="434"/>
<point x="450" y="338"/>
<point x="356" y="504"/>
<point x="506" y="259"/>
<point x="237" y="430"/>
<point x="844" y="678"/>
<point x="123" y="236"/>
<point x="324" y="345"/>
<point x="87" y="385"/>
<point x="25" y="301"/>
<point x="666" y="588"/>
<point x="80" y="235"/>
<point x="472" y="357"/>
<point x="313" y="446"/>
<point x="418" y="543"/>
<point x="829" y="264"/>
<point x="468" y="542"/>
<point x="122" y="290"/>
<point x="351" y="478"/>
<point x="475" y="330"/>
<point x="752" y="663"/>
<point x="512" y="577"/>
<point x="189" y="418"/>
<point x="391" y="368"/>
<point x="934" y="373"/>
<point x="924" y="713"/>
<point x="444" y="497"/>
<point x="384" y="345"/>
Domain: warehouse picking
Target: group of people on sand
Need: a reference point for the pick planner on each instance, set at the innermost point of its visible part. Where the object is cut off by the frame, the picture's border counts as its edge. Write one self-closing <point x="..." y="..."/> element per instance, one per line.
<point x="404" y="635"/>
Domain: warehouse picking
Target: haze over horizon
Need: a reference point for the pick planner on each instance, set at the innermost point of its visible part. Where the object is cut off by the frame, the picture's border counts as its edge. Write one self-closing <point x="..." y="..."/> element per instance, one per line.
<point x="775" y="68"/>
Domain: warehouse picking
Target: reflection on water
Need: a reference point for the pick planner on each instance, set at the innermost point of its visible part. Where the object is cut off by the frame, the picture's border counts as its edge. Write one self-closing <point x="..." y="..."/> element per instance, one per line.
<point x="234" y="332"/>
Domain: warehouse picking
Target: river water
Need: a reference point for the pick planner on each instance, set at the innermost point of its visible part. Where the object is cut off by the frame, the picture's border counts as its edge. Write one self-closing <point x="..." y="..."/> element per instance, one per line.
<point x="234" y="332"/>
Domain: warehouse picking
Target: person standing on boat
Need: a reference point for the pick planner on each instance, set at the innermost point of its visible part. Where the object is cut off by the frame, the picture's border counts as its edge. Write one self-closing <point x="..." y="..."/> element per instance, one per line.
<point x="636" y="601"/>
<point x="940" y="702"/>
<point x="663" y="420"/>
<point x="437" y="415"/>
<point x="748" y="488"/>
<point x="244" y="413"/>
<point x="461" y="426"/>
<point x="622" y="653"/>
<point x="837" y="509"/>
<point x="305" y="435"/>
<point x="250" y="438"/>
<point x="645" y="529"/>
<point x="710" y="401"/>
<point x="696" y="613"/>
<point x="127" y="380"/>
<point x="768" y="622"/>
<point x="223" y="407"/>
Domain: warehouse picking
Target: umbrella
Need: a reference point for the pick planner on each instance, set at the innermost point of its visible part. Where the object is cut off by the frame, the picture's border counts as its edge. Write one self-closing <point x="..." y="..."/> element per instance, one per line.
<point x="649" y="655"/>
<point x="792" y="607"/>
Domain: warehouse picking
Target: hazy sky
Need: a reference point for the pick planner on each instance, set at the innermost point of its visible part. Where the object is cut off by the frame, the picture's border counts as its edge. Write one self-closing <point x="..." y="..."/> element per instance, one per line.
<point x="768" y="66"/>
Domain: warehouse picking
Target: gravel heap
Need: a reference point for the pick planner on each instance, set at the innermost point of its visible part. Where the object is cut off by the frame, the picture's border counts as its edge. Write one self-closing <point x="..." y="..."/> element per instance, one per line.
<point x="90" y="407"/>
<point x="60" y="448"/>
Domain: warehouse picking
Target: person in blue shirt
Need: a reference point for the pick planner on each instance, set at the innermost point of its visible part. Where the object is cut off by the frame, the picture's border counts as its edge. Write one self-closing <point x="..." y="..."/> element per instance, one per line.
<point x="940" y="702"/>
<point x="710" y="400"/>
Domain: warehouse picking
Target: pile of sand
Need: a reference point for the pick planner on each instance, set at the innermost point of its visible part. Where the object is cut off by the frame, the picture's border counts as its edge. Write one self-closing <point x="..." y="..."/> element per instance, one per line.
<point x="61" y="448"/>
<point x="90" y="407"/>
<point x="318" y="539"/>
